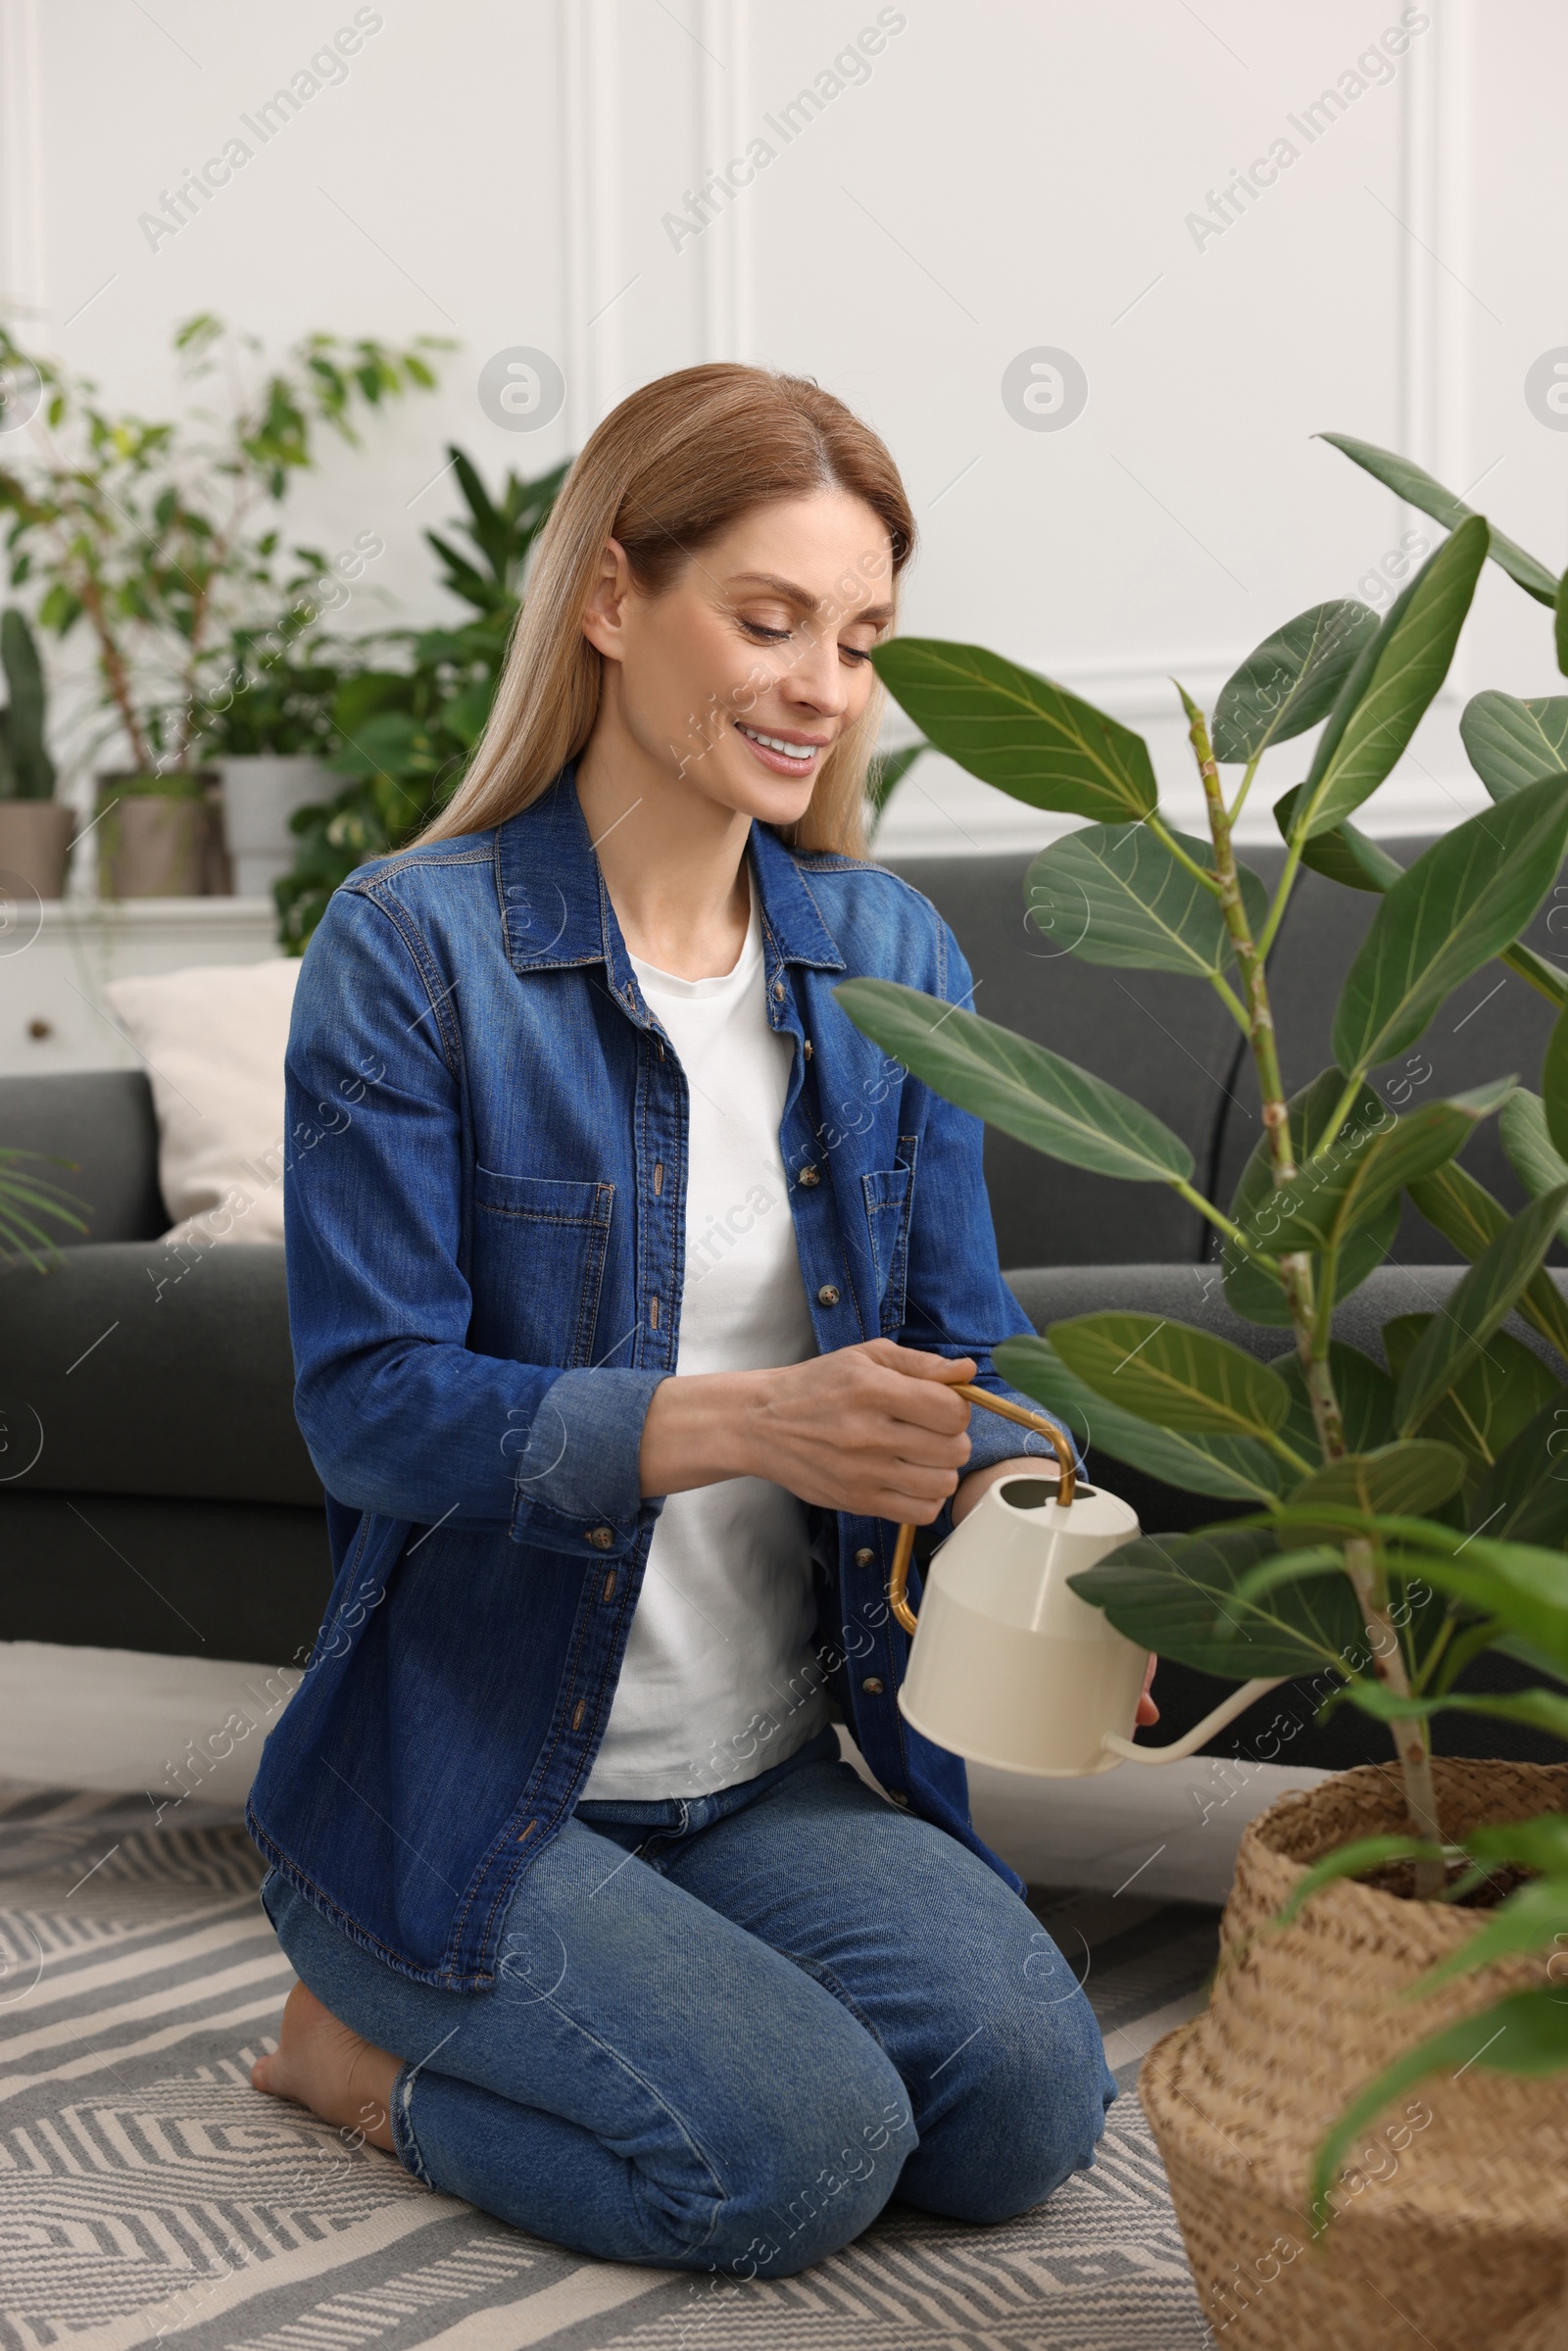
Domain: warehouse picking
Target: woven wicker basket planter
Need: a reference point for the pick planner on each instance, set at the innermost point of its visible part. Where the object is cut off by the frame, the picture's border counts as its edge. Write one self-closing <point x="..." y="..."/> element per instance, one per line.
<point x="1458" y="2236"/>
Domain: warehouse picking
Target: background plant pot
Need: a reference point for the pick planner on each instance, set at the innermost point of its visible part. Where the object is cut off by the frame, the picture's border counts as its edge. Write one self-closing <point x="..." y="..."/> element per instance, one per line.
<point x="152" y="842"/>
<point x="34" y="844"/>
<point x="260" y="793"/>
<point x="1458" y="2235"/>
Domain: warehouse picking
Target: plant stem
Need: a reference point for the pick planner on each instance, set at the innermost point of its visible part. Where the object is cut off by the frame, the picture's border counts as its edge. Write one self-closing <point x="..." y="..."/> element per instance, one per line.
<point x="1410" y="1737"/>
<point x="1248" y="773"/>
<point x="1220" y="1221"/>
<point x="1295" y="1271"/>
<point x="1282" y="896"/>
<point x="1163" y="834"/>
<point x="1230" y="1000"/>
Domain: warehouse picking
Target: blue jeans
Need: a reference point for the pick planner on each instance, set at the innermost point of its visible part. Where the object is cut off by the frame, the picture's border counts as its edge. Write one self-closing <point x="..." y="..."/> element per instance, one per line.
<point x="723" y="2031"/>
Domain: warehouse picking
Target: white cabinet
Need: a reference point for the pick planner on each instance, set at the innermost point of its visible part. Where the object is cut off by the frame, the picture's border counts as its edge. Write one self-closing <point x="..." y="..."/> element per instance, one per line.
<point x="55" y="959"/>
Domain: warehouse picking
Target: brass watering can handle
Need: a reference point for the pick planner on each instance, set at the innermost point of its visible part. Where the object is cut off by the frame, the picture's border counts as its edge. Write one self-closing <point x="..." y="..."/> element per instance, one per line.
<point x="902" y="1550"/>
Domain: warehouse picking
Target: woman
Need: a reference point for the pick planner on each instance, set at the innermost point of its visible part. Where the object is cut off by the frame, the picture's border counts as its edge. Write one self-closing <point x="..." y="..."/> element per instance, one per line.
<point x="593" y="1926"/>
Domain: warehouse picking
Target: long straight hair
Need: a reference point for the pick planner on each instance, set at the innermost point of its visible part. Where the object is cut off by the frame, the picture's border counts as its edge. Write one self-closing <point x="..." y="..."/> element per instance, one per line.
<point x="665" y="472"/>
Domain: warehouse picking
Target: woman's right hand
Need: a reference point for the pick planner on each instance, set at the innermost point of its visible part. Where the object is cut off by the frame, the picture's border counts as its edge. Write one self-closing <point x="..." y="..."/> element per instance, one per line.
<point x="873" y="1430"/>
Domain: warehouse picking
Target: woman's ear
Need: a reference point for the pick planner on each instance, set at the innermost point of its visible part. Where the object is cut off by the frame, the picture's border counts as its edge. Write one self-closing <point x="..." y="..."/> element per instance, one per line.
<point x="604" y="615"/>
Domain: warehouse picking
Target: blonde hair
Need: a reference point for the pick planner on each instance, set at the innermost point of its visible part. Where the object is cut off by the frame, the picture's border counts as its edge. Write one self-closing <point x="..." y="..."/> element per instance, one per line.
<point x="668" y="469"/>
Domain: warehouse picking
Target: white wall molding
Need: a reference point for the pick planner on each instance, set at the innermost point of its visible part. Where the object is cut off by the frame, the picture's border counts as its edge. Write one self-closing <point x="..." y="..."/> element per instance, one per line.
<point x="593" y="356"/>
<point x="23" y="285"/>
<point x="724" y="251"/>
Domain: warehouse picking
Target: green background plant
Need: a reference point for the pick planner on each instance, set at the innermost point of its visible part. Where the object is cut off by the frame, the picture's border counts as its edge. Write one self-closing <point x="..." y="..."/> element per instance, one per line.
<point x="161" y="538"/>
<point x="405" y="734"/>
<point x="26" y="771"/>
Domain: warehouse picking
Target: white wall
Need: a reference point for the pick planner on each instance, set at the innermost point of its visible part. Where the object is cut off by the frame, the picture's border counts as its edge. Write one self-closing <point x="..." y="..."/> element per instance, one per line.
<point x="1009" y="175"/>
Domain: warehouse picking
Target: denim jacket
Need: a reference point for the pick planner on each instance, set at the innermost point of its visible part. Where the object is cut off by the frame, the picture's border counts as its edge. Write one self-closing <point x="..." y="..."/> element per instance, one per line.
<point x="484" y="1213"/>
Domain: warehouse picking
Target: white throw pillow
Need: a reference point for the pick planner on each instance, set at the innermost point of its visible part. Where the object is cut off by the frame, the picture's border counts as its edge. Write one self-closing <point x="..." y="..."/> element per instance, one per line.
<point x="213" y="1043"/>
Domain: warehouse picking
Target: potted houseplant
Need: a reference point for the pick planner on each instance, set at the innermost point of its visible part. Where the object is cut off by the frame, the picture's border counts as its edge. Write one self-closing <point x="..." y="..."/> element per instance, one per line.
<point x="1396" y="1517"/>
<point x="34" y="828"/>
<point x="266" y="727"/>
<point x="409" y="718"/>
<point x="160" y="539"/>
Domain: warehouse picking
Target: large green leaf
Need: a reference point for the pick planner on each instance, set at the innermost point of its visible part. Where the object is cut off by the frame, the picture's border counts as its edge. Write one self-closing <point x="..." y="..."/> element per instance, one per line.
<point x="1538" y="1709"/>
<point x="1120" y="897"/>
<point x="1455" y="1337"/>
<point x="1022" y="1088"/>
<point x="1365" y="1392"/>
<point x="1532" y="1154"/>
<point x="1173" y="1374"/>
<point x="1177" y="1596"/>
<point x="1347" y="1185"/>
<point x="1522" y="1585"/>
<point x="1018" y="732"/>
<point x="1523" y="1497"/>
<point x="1555" y="1085"/>
<point x="1238" y="1468"/>
<point x="1466" y="1213"/>
<point x="1356" y="862"/>
<point x="1290" y="681"/>
<point x="1527" y="2033"/>
<point x="1470" y="895"/>
<point x="1259" y="1206"/>
<point x="1559" y="629"/>
<point x="1346" y="855"/>
<point x="1410" y="1475"/>
<point x="1393" y="679"/>
<point x="1494" y="1397"/>
<point x="1512" y="743"/>
<point x="1418" y="489"/>
<point x="1531" y="1919"/>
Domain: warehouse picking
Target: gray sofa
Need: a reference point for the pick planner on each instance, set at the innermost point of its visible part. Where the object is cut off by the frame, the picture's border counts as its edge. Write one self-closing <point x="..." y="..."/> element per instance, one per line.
<point x="156" y="1494"/>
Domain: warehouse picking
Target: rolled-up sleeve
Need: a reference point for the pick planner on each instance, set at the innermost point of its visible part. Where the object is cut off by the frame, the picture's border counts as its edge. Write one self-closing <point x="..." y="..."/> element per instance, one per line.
<point x="401" y="1416"/>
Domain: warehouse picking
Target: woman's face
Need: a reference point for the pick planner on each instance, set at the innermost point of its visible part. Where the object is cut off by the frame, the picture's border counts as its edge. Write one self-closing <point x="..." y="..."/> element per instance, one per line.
<point x="741" y="675"/>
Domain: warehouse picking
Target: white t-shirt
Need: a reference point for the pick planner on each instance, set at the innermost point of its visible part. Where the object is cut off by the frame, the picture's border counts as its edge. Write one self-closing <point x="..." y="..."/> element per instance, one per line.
<point x="718" y="1681"/>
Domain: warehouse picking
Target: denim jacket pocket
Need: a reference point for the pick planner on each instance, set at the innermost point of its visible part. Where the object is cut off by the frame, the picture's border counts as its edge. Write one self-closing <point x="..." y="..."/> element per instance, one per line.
<point x="540" y="1242"/>
<point x="889" y="1195"/>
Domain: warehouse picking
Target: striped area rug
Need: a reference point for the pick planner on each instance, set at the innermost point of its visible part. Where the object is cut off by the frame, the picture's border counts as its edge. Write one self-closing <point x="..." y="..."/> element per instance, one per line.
<point x="148" y="2193"/>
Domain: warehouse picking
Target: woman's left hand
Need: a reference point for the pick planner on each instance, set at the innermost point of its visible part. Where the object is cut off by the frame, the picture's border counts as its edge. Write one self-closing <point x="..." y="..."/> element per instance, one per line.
<point x="1030" y="1465"/>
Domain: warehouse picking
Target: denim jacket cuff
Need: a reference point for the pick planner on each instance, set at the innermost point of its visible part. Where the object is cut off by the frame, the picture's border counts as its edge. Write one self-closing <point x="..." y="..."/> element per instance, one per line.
<point x="578" y="1483"/>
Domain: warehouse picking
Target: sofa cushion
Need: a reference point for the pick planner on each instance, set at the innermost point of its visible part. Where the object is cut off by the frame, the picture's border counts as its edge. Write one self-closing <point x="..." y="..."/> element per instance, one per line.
<point x="132" y="1369"/>
<point x="214" y="1041"/>
<point x="101" y="1123"/>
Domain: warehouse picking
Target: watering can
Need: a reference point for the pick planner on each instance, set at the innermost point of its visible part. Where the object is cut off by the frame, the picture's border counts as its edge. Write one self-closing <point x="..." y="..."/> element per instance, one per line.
<point x="1009" y="1666"/>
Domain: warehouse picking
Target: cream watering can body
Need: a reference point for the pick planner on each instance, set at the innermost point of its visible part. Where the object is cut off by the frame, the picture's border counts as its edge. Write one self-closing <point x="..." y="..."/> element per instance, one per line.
<point x="1009" y="1666"/>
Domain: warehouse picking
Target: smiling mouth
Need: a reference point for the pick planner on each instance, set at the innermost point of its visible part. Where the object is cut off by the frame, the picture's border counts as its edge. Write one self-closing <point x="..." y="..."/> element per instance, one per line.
<point x="778" y="747"/>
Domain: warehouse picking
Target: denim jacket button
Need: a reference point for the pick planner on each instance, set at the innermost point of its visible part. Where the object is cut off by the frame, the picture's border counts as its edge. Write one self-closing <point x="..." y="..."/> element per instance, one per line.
<point x="827" y="1296"/>
<point x="864" y="1558"/>
<point x="600" y="1538"/>
<point x="872" y="1686"/>
<point x="808" y="1176"/>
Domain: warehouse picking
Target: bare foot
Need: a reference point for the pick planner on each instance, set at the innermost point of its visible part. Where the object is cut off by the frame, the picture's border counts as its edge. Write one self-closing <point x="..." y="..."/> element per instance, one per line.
<point x="321" y="2064"/>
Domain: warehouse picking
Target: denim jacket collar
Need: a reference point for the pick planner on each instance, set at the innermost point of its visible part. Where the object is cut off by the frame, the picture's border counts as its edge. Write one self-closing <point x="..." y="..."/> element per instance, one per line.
<point x="557" y="910"/>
